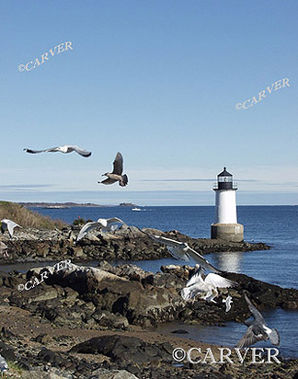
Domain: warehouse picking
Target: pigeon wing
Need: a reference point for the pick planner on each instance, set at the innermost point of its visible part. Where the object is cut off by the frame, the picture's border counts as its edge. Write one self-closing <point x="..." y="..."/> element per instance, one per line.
<point x="249" y="338"/>
<point x="218" y="281"/>
<point x="118" y="164"/>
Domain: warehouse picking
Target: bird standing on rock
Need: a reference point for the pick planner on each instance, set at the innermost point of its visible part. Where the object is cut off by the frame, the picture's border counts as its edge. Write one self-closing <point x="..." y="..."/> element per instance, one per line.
<point x="116" y="174"/>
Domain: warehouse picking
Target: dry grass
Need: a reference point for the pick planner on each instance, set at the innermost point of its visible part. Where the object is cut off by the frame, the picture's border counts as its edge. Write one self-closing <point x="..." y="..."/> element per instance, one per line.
<point x="27" y="218"/>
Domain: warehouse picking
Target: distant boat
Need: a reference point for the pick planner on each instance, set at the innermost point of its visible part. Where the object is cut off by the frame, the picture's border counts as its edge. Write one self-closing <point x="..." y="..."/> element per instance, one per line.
<point x="136" y="209"/>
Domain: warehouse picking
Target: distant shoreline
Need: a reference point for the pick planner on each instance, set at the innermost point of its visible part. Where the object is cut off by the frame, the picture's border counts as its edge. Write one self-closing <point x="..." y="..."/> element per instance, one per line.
<point x="72" y="205"/>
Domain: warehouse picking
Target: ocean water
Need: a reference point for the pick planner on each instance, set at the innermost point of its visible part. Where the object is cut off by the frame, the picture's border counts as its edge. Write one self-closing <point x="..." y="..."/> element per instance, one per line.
<point x="275" y="225"/>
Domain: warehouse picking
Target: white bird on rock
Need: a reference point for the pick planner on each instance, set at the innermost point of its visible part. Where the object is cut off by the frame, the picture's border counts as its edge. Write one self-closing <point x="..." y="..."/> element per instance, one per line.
<point x="105" y="225"/>
<point x="8" y="225"/>
<point x="257" y="329"/>
<point x="66" y="149"/>
<point x="116" y="174"/>
<point x="206" y="285"/>
<point x="181" y="250"/>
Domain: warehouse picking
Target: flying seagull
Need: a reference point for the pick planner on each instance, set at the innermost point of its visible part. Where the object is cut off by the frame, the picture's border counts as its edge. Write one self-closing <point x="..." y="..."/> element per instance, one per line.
<point x="62" y="149"/>
<point x="8" y="225"/>
<point x="181" y="250"/>
<point x="116" y="174"/>
<point x="228" y="300"/>
<point x="206" y="285"/>
<point x="257" y="329"/>
<point x="3" y="365"/>
<point x="106" y="225"/>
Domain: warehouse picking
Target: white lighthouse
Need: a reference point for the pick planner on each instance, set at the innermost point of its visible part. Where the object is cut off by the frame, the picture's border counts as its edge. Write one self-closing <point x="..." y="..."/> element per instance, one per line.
<point x="226" y="226"/>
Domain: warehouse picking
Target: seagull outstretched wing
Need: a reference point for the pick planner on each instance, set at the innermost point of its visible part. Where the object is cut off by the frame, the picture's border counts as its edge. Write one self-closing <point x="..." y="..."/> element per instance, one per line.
<point x="10" y="225"/>
<point x="257" y="315"/>
<point x="274" y="337"/>
<point x="114" y="220"/>
<point x="61" y="149"/>
<point x="82" y="152"/>
<point x="86" y="229"/>
<point x="218" y="281"/>
<point x="50" y="150"/>
<point x="249" y="338"/>
<point x="197" y="257"/>
<point x="118" y="164"/>
<point x="108" y="181"/>
<point x="195" y="278"/>
<point x="176" y="248"/>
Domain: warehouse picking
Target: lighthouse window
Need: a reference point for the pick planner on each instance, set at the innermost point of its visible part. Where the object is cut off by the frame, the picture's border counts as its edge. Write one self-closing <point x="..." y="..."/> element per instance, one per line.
<point x="225" y="179"/>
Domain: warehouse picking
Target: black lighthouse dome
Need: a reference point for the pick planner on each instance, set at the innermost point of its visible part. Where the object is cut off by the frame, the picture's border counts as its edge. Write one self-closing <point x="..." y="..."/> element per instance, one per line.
<point x="225" y="181"/>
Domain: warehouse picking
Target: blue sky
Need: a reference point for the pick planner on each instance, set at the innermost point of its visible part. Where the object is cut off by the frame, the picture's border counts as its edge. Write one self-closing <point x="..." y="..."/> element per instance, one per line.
<point x="158" y="81"/>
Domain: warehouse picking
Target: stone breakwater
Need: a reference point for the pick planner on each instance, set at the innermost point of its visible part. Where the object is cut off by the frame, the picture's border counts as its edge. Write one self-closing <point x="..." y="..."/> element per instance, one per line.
<point x="128" y="243"/>
<point x="92" y="322"/>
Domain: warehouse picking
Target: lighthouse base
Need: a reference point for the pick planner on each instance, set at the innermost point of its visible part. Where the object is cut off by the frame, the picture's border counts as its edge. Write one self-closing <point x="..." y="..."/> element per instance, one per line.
<point x="227" y="232"/>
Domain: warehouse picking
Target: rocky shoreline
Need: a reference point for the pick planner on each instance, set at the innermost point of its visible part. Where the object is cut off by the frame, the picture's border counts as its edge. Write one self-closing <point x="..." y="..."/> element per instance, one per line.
<point x="85" y="322"/>
<point x="128" y="243"/>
